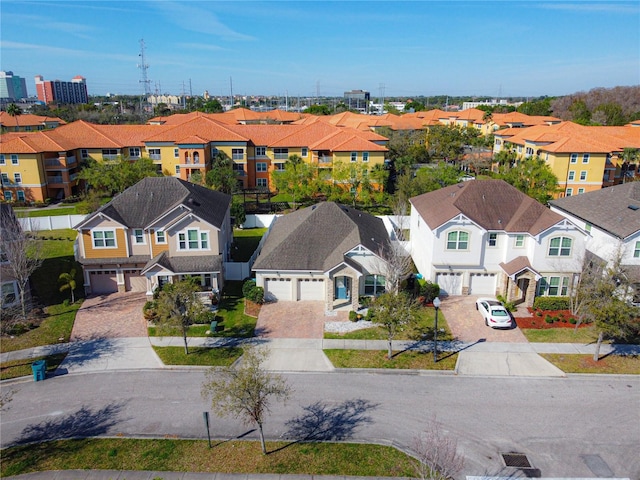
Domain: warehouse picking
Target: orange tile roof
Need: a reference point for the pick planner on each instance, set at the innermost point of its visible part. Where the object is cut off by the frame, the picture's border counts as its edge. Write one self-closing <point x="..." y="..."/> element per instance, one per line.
<point x="200" y="125"/>
<point x="27" y="119"/>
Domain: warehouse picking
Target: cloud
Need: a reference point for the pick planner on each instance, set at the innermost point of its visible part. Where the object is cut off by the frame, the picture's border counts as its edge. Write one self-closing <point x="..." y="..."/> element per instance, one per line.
<point x="79" y="30"/>
<point x="64" y="52"/>
<point x="200" y="46"/>
<point x="201" y="20"/>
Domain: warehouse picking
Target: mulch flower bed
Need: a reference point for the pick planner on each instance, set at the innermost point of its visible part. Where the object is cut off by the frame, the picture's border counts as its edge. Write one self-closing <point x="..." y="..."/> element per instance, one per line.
<point x="537" y="320"/>
<point x="251" y="308"/>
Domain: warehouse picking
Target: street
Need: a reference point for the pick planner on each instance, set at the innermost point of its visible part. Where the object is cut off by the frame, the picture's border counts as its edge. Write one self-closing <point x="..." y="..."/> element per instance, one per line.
<point x="581" y="426"/>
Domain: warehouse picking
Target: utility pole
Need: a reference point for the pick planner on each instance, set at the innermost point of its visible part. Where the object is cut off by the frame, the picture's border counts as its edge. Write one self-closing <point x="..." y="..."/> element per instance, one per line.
<point x="144" y="80"/>
<point x="231" y="91"/>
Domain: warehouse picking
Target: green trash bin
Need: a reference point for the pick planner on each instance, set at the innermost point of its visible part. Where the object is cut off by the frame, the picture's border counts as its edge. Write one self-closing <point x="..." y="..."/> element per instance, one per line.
<point x="39" y="368"/>
<point x="214" y="327"/>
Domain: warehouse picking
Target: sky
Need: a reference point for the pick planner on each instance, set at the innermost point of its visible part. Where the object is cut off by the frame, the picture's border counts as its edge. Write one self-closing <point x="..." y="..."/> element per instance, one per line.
<point x="324" y="48"/>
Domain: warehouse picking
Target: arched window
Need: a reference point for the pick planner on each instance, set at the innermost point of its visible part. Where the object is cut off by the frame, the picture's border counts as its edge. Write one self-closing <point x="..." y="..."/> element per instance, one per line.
<point x="560" y="247"/>
<point x="196" y="157"/>
<point x="458" y="240"/>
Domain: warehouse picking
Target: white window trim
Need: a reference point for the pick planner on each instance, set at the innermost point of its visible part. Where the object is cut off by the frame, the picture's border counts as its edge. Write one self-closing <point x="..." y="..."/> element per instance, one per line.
<point x="17" y="178"/>
<point x="93" y="239"/>
<point x="3" y="160"/>
<point x="585" y="158"/>
<point x="16" y="158"/>
<point x="572" y="175"/>
<point x="573" y="158"/>
<point x="164" y="235"/>
<point x="258" y="167"/>
<point x="304" y="152"/>
<point x="199" y="239"/>
<point x="559" y="255"/>
<point x="354" y="157"/>
<point x="515" y="241"/>
<point x="135" y="237"/>
<point x="365" y="157"/>
<point x="446" y="240"/>
<point x="263" y="181"/>
<point x="583" y="173"/>
<point x="489" y="238"/>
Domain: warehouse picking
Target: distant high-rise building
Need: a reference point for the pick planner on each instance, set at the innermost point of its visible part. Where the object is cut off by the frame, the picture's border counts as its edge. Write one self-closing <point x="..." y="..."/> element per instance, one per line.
<point x="74" y="91"/>
<point x="12" y="87"/>
<point x="358" y="100"/>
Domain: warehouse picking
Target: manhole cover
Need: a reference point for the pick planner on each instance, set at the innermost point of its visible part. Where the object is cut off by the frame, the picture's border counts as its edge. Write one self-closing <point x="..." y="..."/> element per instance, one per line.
<point x="517" y="460"/>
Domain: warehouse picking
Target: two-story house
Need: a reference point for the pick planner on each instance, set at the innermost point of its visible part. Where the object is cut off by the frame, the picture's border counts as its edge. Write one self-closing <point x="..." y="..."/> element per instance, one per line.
<point x="485" y="237"/>
<point x="611" y="218"/>
<point x="9" y="289"/>
<point x="157" y="231"/>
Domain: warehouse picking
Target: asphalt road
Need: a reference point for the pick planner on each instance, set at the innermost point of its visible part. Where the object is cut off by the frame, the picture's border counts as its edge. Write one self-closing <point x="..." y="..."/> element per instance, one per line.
<point x="581" y="426"/>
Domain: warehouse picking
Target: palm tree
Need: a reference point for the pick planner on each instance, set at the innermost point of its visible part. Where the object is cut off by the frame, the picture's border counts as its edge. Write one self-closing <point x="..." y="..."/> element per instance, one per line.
<point x="68" y="281"/>
<point x="14" y="111"/>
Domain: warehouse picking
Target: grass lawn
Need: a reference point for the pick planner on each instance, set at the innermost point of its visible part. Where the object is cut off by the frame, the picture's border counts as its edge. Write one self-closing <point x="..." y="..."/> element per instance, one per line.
<point x="378" y="359"/>
<point x="226" y="456"/>
<point x="232" y="321"/>
<point x="611" y="364"/>
<point x="561" y="335"/>
<point x="245" y="243"/>
<point x="424" y="329"/>
<point x="21" y="368"/>
<point x="202" y="356"/>
<point x="55" y="328"/>
<point x="46" y="212"/>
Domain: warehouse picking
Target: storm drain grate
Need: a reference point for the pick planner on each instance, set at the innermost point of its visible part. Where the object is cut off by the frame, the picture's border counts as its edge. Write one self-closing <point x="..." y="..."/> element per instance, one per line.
<point x="517" y="460"/>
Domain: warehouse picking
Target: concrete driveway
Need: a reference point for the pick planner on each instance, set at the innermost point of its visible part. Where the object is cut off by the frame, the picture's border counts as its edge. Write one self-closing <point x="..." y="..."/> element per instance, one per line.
<point x="118" y="315"/>
<point x="467" y="325"/>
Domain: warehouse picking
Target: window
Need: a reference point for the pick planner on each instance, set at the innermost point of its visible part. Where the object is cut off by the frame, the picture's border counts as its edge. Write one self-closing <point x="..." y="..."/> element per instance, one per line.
<point x="305" y="152"/>
<point x="583" y="175"/>
<point x="261" y="151"/>
<point x="261" y="182"/>
<point x="261" y="167"/>
<point x="553" y="286"/>
<point x="574" y="158"/>
<point x="238" y="169"/>
<point x="580" y="190"/>
<point x="457" y="240"/>
<point x="354" y="156"/>
<point x="5" y="179"/>
<point x="365" y="156"/>
<point x="27" y="128"/>
<point x="8" y="196"/>
<point x="572" y="175"/>
<point x="493" y="239"/>
<point x="587" y="227"/>
<point x="111" y="153"/>
<point x="21" y="196"/>
<point x="585" y="158"/>
<point x="569" y="192"/>
<point x="529" y="151"/>
<point x="193" y="239"/>
<point x="160" y="236"/>
<point x="17" y="177"/>
<point x="84" y="153"/>
<point x="374" y="284"/>
<point x="138" y="235"/>
<point x="104" y="238"/>
<point x="134" y="152"/>
<point x="278" y="166"/>
<point x="281" y="153"/>
<point x="14" y="159"/>
<point x="2" y="159"/>
<point x="636" y="250"/>
<point x="9" y="293"/>
<point x="154" y="153"/>
<point x="176" y="153"/>
<point x="237" y="154"/>
<point x="560" y="247"/>
<point x="177" y="169"/>
<point x="519" y="148"/>
<point x="519" y="242"/>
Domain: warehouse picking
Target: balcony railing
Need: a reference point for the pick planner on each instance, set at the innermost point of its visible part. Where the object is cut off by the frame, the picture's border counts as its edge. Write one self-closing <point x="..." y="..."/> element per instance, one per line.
<point x="325" y="159"/>
<point x="55" y="180"/>
<point x="155" y="156"/>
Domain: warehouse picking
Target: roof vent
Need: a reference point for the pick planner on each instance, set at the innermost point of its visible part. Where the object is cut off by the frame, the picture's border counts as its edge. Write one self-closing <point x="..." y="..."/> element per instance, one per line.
<point x="633" y="207"/>
<point x="193" y="202"/>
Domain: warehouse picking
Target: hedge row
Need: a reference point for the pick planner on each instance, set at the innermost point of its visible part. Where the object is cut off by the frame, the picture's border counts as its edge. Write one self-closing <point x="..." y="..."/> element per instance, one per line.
<point x="551" y="303"/>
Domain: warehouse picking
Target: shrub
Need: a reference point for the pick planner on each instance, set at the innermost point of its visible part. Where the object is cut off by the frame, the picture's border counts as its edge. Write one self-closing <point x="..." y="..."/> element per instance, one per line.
<point x="204" y="318"/>
<point x="548" y="319"/>
<point x="429" y="291"/>
<point x="551" y="303"/>
<point x="573" y="321"/>
<point x="365" y="301"/>
<point x="353" y="316"/>
<point x="247" y="286"/>
<point x="256" y="294"/>
<point x="510" y="306"/>
<point x="149" y="310"/>
<point x="370" y="315"/>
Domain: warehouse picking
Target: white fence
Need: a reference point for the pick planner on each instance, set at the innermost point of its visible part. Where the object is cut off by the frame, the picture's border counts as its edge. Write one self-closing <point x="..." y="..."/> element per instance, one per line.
<point x="242" y="270"/>
<point x="58" y="222"/>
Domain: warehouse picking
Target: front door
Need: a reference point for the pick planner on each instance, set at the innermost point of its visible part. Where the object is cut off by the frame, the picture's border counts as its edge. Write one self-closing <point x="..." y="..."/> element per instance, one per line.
<point x="523" y="285"/>
<point x="342" y="288"/>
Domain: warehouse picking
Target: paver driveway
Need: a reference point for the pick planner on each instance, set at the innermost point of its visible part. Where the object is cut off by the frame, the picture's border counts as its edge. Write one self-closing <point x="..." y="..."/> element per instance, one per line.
<point x="118" y="315"/>
<point x="467" y="325"/>
<point x="295" y="319"/>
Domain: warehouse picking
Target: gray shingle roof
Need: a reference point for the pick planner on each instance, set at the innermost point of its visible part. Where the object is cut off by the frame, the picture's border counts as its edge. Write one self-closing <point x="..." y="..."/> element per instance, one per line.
<point x="492" y="204"/>
<point x="316" y="238"/>
<point x="148" y="199"/>
<point x="115" y="261"/>
<point x="608" y="208"/>
<point x="186" y="264"/>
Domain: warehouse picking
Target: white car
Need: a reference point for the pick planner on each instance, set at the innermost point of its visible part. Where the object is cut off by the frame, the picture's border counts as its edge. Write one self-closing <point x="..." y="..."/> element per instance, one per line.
<point x="494" y="313"/>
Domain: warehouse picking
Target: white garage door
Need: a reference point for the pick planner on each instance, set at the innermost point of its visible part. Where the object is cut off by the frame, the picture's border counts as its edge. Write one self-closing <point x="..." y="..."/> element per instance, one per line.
<point x="277" y="289"/>
<point x="449" y="283"/>
<point x="310" y="289"/>
<point x="482" y="284"/>
<point x="104" y="282"/>
<point x="134" y="282"/>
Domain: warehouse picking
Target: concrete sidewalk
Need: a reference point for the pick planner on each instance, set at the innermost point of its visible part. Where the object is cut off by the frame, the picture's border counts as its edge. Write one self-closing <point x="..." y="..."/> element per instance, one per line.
<point x="306" y="355"/>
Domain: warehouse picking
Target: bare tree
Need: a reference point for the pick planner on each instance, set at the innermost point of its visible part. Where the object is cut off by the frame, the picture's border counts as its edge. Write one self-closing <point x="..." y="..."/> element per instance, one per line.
<point x="397" y="262"/>
<point x="436" y="454"/>
<point x="246" y="391"/>
<point x="21" y="254"/>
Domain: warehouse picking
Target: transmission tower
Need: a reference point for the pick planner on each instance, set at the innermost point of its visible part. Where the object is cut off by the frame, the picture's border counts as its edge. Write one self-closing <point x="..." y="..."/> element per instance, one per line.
<point x="144" y="67"/>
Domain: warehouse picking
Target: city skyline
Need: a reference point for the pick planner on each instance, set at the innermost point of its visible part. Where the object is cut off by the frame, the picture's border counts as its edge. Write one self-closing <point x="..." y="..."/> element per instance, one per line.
<point x="499" y="49"/>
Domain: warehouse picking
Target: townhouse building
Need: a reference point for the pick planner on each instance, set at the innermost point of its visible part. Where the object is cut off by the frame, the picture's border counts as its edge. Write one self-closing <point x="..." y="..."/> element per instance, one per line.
<point x="41" y="165"/>
<point x="27" y="122"/>
<point x="583" y="158"/>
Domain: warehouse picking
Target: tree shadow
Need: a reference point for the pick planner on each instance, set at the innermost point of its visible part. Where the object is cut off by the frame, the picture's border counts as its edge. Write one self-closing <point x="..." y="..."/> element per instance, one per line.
<point x="322" y="422"/>
<point x="87" y="350"/>
<point x="81" y="424"/>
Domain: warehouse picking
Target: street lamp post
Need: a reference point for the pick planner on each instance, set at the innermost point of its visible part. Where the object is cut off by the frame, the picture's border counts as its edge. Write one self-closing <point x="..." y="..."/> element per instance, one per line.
<point x="436" y="305"/>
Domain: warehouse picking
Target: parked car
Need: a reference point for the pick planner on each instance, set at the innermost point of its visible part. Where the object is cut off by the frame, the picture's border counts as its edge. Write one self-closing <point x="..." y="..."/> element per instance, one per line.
<point x="494" y="313"/>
